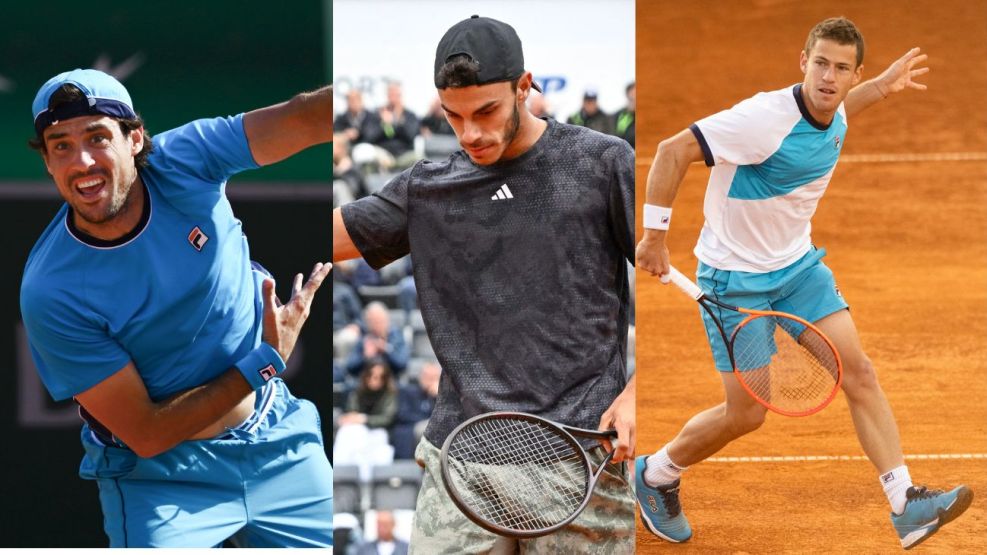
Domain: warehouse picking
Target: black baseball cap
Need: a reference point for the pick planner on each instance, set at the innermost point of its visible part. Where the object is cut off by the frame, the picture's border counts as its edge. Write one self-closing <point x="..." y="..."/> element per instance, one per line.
<point x="492" y="44"/>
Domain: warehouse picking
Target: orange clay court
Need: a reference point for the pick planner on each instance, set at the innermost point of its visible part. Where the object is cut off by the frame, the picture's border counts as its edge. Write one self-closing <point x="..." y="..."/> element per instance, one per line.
<point x="906" y="239"/>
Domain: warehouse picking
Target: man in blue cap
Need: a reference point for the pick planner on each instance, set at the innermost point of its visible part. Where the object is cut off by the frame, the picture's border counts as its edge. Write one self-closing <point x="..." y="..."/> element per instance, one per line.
<point x="142" y="304"/>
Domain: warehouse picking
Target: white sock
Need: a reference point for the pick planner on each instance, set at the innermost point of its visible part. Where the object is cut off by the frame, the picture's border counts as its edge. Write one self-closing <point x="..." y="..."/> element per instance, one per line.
<point x="896" y="483"/>
<point x="660" y="470"/>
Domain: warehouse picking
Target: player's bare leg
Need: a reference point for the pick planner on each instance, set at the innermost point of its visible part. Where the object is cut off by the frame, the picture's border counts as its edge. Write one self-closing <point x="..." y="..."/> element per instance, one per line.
<point x="711" y="430"/>
<point x="873" y="420"/>
<point x="703" y="435"/>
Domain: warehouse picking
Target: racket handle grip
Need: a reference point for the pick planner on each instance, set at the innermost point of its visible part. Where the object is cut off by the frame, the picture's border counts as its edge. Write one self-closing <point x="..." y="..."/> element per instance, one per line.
<point x="684" y="283"/>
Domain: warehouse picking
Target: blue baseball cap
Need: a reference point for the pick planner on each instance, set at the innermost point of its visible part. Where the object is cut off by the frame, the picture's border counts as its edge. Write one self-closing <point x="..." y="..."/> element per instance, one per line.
<point x="103" y="95"/>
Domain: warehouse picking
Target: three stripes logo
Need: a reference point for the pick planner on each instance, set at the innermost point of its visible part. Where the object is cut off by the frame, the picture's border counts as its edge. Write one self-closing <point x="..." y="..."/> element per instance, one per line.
<point x="503" y="193"/>
<point x="267" y="372"/>
<point x="197" y="238"/>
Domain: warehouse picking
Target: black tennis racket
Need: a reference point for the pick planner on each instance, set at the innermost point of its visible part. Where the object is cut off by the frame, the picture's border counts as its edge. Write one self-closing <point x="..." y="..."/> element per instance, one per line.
<point x="786" y="363"/>
<point x="519" y="475"/>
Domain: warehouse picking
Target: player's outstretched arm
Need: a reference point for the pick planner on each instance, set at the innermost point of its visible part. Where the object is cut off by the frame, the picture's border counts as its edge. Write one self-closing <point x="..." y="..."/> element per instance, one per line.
<point x="280" y="131"/>
<point x="621" y="417"/>
<point x="122" y="404"/>
<point x="667" y="171"/>
<point x="897" y="77"/>
<point x="342" y="244"/>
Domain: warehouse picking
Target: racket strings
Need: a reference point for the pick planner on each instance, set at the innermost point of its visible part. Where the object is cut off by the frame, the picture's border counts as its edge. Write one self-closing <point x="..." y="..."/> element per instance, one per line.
<point x="784" y="363"/>
<point x="517" y="474"/>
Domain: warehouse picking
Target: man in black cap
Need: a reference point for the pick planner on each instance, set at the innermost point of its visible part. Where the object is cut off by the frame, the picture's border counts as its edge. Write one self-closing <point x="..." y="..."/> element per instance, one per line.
<point x="590" y="115"/>
<point x="521" y="243"/>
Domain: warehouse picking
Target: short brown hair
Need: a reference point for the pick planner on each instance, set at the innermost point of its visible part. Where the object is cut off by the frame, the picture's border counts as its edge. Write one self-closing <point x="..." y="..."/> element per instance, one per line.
<point x="839" y="30"/>
<point x="70" y="93"/>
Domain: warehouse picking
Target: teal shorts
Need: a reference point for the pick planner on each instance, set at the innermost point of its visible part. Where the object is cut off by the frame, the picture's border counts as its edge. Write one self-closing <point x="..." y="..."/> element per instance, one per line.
<point x="266" y="483"/>
<point x="806" y="288"/>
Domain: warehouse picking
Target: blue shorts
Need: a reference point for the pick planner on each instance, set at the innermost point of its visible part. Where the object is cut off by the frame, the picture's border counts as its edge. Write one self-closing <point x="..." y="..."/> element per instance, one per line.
<point x="266" y="483"/>
<point x="805" y="288"/>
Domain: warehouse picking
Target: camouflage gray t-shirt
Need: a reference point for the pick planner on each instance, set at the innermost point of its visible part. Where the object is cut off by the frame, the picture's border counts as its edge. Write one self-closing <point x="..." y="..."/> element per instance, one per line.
<point x="520" y="273"/>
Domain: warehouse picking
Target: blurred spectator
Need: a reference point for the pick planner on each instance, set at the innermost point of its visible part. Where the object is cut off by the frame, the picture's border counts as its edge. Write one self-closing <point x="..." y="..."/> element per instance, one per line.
<point x="356" y="123"/>
<point x="591" y="116"/>
<point x="346" y="317"/>
<point x="379" y="340"/>
<point x="539" y="107"/>
<point x="415" y="404"/>
<point x="344" y="171"/>
<point x="624" y="120"/>
<point x="435" y="122"/>
<point x="374" y="402"/>
<point x="397" y="129"/>
<point x="386" y="543"/>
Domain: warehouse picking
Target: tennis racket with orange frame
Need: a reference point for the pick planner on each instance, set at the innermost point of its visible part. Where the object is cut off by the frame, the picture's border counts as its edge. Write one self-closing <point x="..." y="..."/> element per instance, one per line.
<point x="784" y="362"/>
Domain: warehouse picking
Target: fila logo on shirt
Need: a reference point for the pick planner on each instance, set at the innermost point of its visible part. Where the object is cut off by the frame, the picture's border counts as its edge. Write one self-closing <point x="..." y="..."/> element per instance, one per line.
<point x="197" y="238"/>
<point x="836" y="143"/>
<point x="502" y="193"/>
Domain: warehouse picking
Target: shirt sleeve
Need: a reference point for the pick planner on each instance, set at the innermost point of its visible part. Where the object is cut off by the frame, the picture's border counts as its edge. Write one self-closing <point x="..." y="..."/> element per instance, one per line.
<point x="70" y="346"/>
<point x="378" y="224"/>
<point x="743" y="135"/>
<point x="207" y="150"/>
<point x="622" y="199"/>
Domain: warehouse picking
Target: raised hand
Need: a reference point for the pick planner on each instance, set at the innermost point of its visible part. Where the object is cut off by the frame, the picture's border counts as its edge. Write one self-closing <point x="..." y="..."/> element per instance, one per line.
<point x="283" y="323"/>
<point x="900" y="75"/>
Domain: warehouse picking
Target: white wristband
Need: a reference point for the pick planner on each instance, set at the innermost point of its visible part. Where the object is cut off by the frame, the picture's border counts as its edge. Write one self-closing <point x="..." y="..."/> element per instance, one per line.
<point x="657" y="217"/>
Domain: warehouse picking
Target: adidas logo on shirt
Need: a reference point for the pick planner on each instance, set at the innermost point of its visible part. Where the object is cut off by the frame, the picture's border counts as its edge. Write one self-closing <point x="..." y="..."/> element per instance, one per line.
<point x="503" y="193"/>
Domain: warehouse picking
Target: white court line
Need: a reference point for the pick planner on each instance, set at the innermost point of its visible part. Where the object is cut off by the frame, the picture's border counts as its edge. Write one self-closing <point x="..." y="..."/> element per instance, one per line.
<point x="812" y="458"/>
<point x="915" y="157"/>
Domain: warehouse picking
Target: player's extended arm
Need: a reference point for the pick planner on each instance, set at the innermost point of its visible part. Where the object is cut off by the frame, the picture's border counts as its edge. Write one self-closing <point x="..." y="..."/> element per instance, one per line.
<point x="342" y="245"/>
<point x="896" y="78"/>
<point x="621" y="417"/>
<point x="280" y="131"/>
<point x="667" y="172"/>
<point x="122" y="404"/>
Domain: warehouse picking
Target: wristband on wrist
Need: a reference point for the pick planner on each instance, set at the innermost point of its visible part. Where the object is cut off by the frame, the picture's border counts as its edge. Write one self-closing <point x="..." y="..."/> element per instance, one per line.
<point x="657" y="217"/>
<point x="260" y="366"/>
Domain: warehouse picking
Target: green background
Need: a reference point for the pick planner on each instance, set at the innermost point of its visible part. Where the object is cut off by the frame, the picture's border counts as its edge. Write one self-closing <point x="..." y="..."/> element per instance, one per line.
<point x="201" y="59"/>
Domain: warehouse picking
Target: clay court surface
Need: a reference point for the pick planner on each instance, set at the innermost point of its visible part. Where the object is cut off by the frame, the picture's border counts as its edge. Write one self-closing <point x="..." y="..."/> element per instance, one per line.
<point x="907" y="241"/>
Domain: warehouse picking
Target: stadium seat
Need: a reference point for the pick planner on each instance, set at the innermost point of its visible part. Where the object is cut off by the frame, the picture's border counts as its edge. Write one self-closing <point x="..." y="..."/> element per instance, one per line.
<point x="415" y="320"/>
<point x="421" y="347"/>
<point x="439" y="147"/>
<point x="376" y="181"/>
<point x="387" y="294"/>
<point x="395" y="486"/>
<point x="347" y="495"/>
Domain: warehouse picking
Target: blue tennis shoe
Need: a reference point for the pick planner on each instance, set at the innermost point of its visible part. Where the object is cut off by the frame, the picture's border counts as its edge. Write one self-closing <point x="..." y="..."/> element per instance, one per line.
<point x="926" y="511"/>
<point x="660" y="508"/>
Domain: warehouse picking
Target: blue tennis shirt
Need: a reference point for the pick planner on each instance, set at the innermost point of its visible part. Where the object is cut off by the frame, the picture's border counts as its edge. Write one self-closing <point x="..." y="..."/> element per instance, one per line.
<point x="177" y="295"/>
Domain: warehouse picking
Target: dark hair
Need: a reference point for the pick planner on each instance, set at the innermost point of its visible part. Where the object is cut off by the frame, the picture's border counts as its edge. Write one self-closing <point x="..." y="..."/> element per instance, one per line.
<point x="631" y="85"/>
<point x="389" y="383"/>
<point x="462" y="71"/>
<point x="840" y="30"/>
<point x="70" y="93"/>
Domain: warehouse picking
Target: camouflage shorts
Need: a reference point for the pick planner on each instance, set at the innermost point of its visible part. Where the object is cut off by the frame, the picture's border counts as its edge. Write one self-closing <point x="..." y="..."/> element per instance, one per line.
<point x="606" y="525"/>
